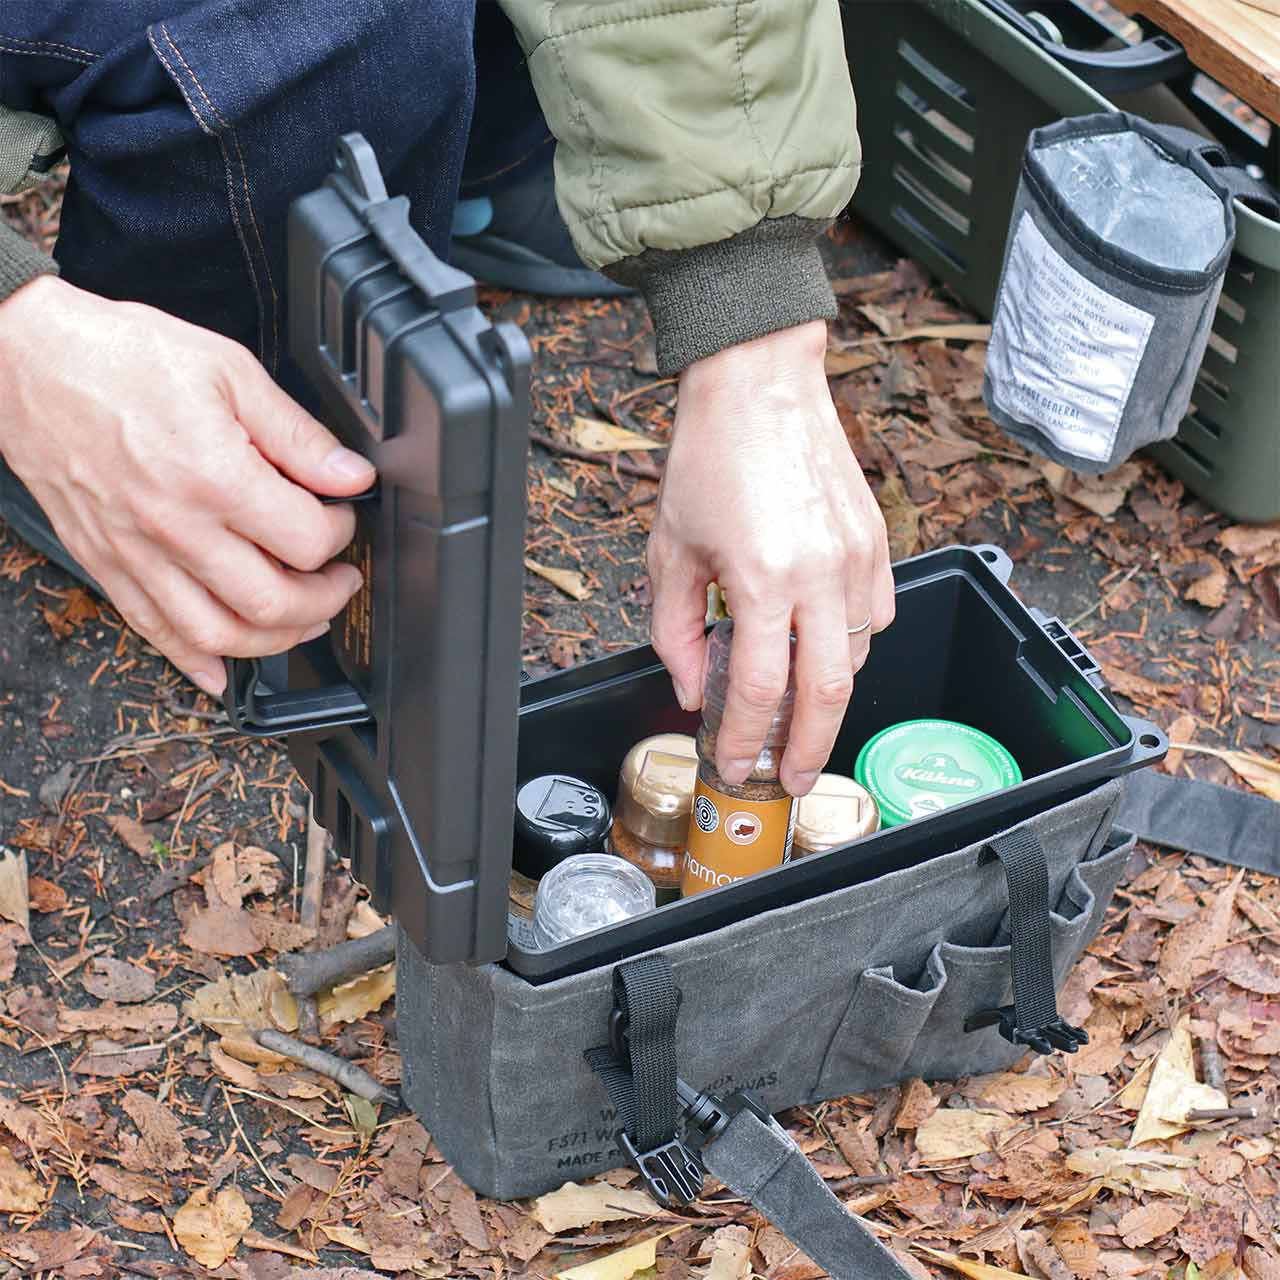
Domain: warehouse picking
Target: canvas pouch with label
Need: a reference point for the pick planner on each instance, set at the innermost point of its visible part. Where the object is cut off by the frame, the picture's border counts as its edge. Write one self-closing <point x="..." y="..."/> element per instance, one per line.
<point x="1118" y="244"/>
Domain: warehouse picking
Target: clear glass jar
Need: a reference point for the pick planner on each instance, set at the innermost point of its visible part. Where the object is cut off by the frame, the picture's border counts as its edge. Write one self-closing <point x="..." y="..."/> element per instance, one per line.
<point x="585" y="892"/>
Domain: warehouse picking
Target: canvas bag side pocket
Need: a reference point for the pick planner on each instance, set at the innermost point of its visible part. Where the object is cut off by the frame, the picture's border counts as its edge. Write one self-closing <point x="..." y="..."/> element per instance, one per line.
<point x="1118" y="244"/>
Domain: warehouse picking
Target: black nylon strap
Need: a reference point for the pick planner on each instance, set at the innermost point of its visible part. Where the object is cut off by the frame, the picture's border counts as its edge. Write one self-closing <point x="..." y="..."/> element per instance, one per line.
<point x="642" y="1086"/>
<point x="1031" y="952"/>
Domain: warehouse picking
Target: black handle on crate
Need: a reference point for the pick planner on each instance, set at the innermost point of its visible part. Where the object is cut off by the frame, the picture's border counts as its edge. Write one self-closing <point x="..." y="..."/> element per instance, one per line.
<point x="1155" y="60"/>
<point x="267" y="713"/>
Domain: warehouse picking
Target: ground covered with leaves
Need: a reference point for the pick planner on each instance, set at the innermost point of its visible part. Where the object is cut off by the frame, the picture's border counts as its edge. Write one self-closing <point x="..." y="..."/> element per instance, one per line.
<point x="153" y="875"/>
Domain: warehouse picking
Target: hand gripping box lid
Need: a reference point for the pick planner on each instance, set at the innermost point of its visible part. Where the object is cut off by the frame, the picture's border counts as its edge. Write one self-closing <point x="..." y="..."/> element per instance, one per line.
<point x="404" y="722"/>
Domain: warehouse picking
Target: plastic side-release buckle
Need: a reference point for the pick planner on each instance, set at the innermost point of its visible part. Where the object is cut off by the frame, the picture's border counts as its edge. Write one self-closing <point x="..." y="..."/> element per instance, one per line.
<point x="1054" y="1036"/>
<point x="673" y="1173"/>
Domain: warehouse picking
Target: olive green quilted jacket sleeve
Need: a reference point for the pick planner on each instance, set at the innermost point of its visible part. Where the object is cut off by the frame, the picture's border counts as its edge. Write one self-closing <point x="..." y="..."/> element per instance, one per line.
<point x="29" y="146"/>
<point x="703" y="145"/>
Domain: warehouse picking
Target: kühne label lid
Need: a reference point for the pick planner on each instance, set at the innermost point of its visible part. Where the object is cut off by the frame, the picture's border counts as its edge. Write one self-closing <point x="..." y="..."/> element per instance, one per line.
<point x="919" y="767"/>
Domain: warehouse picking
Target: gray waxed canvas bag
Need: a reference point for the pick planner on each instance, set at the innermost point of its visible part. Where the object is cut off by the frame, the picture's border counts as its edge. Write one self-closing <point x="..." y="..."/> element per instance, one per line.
<point x="867" y="985"/>
<point x="1118" y="243"/>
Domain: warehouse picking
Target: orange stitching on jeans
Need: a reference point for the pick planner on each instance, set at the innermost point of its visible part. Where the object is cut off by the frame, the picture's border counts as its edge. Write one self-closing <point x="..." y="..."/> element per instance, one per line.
<point x="41" y="53"/>
<point x="248" y="201"/>
<point x="226" y="165"/>
<point x="88" y="54"/>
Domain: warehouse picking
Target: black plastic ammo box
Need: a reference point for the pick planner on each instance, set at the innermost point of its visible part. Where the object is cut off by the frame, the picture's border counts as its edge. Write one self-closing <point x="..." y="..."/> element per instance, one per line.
<point x="404" y="721"/>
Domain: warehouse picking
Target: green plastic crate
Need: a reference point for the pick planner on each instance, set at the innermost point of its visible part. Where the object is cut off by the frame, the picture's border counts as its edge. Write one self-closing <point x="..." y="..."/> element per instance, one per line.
<point x="947" y="93"/>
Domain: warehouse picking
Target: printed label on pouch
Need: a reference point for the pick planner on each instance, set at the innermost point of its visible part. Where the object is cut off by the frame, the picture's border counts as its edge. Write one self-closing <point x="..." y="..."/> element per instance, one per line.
<point x="1063" y="353"/>
<point x="731" y="838"/>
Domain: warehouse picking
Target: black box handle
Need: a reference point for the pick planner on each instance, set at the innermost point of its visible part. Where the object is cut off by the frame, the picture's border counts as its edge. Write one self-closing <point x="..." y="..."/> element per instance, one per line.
<point x="1156" y="60"/>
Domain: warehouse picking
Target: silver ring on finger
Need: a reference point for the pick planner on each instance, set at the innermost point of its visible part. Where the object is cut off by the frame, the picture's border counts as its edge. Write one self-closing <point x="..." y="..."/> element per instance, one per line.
<point x="854" y="631"/>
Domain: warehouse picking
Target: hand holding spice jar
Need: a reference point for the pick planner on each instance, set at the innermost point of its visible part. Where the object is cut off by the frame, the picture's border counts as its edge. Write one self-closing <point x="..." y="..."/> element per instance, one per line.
<point x="737" y="830"/>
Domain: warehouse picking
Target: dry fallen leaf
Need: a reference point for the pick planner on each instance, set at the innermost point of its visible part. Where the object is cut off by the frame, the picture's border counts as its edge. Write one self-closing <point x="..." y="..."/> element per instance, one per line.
<point x="256" y="1240"/>
<point x="1252" y="541"/>
<point x="19" y="1191"/>
<point x="240" y="1004"/>
<point x="45" y="896"/>
<point x="211" y="1231"/>
<point x="1148" y="1222"/>
<point x="1210" y="589"/>
<point x="160" y="1144"/>
<point x="838" y="363"/>
<point x="151" y="1020"/>
<point x="569" y="581"/>
<point x="901" y="518"/>
<point x="574" y="1205"/>
<point x="1013" y="1092"/>
<point x="131" y="833"/>
<point x="729" y="1249"/>
<point x="1144" y="1170"/>
<point x="14" y="903"/>
<point x="118" y="980"/>
<point x="915" y="1106"/>
<point x="967" y="1266"/>
<point x="1260" y="773"/>
<point x="953" y="1132"/>
<point x="353" y="1000"/>
<point x="1173" y="1091"/>
<point x="616" y="1266"/>
<point x="1077" y="1248"/>
<point x="603" y="437"/>
<point x="1189" y="948"/>
<point x="1181" y="730"/>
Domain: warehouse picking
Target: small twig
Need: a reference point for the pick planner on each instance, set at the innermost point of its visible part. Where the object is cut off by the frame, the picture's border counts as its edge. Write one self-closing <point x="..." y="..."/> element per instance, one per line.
<point x="1106" y="595"/>
<point x="345" y="1134"/>
<point x="596" y="459"/>
<point x="313" y="876"/>
<point x="352" y="1078"/>
<point x="862" y="1180"/>
<point x="639" y="391"/>
<point x="244" y="1137"/>
<point x="1211" y="1062"/>
<point x="306" y="972"/>
<point x="175" y="708"/>
<point x="1222" y="1113"/>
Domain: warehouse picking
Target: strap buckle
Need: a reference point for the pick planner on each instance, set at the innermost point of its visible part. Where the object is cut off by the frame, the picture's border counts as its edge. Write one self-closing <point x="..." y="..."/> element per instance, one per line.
<point x="673" y="1173"/>
<point x="1056" y="1035"/>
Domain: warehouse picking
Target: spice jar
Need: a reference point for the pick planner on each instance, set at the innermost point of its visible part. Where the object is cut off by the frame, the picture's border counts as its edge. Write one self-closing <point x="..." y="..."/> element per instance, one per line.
<point x="836" y="812"/>
<point x="736" y="831"/>
<point x="651" y="812"/>
<point x="556" y="817"/>
<point x="587" y="892"/>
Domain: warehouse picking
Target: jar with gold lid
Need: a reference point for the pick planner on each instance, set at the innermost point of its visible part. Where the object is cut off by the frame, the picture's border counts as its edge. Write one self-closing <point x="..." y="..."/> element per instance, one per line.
<point x="836" y="812"/>
<point x="651" y="811"/>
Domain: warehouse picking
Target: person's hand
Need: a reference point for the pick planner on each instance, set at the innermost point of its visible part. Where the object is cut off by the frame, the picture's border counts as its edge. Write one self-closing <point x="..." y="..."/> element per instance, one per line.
<point x="177" y="474"/>
<point x="763" y="495"/>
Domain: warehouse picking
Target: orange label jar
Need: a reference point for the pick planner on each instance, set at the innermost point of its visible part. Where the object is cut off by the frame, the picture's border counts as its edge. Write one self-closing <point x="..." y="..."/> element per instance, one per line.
<point x="736" y="831"/>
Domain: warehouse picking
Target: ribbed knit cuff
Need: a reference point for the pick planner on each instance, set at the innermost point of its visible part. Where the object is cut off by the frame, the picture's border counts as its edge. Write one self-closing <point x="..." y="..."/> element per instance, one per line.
<point x="705" y="299"/>
<point x="20" y="262"/>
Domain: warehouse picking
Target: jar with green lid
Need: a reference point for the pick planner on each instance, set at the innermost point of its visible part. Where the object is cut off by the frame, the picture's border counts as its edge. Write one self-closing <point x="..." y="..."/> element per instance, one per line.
<point x="920" y="767"/>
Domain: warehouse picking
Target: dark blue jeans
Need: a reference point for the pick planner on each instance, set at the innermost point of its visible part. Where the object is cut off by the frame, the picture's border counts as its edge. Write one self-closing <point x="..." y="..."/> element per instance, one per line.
<point x="192" y="124"/>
